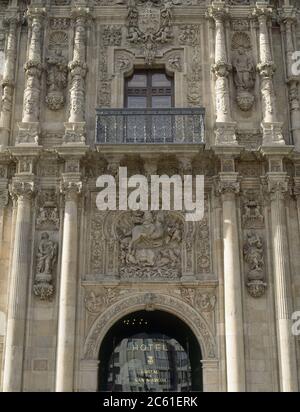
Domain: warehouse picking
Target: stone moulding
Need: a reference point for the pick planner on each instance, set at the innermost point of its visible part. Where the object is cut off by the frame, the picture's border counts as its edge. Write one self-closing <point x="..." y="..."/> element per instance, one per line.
<point x="150" y="301"/>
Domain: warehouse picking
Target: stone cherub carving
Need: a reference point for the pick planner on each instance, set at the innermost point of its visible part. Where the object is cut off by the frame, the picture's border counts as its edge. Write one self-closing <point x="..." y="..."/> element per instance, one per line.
<point x="243" y="70"/>
<point x="150" y="245"/>
<point x="46" y="258"/>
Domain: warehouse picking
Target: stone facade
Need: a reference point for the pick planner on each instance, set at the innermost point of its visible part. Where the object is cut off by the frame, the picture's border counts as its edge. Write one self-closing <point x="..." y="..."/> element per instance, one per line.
<point x="68" y="271"/>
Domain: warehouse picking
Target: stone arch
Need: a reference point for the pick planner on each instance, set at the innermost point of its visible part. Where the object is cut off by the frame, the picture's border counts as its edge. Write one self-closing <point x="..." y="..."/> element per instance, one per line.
<point x="150" y="301"/>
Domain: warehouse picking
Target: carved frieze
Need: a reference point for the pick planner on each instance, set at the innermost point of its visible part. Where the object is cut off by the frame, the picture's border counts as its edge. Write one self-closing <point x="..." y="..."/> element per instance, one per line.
<point x="202" y="300"/>
<point x="97" y="302"/>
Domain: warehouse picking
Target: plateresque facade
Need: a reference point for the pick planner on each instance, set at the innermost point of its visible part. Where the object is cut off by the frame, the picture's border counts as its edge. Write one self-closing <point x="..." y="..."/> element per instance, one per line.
<point x="72" y="109"/>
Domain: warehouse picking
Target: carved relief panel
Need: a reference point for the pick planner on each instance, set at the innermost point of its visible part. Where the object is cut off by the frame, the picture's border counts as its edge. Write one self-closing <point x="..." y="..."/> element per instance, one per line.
<point x="147" y="245"/>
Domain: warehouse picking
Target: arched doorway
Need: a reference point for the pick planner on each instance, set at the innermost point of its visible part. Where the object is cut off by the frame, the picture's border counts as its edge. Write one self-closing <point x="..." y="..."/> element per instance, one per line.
<point x="149" y="351"/>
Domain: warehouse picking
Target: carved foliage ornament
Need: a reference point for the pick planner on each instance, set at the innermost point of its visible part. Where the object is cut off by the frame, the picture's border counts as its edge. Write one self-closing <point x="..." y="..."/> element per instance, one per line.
<point x="149" y="25"/>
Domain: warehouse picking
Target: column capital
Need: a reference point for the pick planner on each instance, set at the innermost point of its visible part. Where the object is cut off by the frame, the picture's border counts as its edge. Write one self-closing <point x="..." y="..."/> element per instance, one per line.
<point x="22" y="189"/>
<point x="288" y="14"/>
<point x="71" y="187"/>
<point x="12" y="18"/>
<point x="4" y="196"/>
<point x="277" y="185"/>
<point x="218" y="11"/>
<point x="228" y="183"/>
<point x="36" y="16"/>
<point x="81" y="14"/>
<point x="262" y="11"/>
<point x="296" y="188"/>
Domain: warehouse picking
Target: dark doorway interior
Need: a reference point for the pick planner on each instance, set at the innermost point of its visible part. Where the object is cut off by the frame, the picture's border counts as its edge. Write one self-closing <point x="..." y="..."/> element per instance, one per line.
<point x="150" y="351"/>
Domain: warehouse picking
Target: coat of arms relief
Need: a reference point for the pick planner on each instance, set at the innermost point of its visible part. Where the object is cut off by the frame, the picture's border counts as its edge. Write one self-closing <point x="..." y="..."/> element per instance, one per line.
<point x="149" y="24"/>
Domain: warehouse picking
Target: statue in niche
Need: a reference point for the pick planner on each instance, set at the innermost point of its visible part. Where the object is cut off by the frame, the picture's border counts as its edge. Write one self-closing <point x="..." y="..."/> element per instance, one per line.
<point x="253" y="253"/>
<point x="46" y="258"/>
<point x="150" y="245"/>
<point x="243" y="71"/>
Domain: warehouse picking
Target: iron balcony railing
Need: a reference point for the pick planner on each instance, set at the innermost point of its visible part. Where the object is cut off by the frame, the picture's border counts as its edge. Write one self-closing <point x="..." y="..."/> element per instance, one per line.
<point x="123" y="126"/>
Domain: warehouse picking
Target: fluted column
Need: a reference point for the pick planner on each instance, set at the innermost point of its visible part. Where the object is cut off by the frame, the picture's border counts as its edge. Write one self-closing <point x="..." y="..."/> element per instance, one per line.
<point x="225" y="127"/>
<point x="75" y="128"/>
<point x="71" y="188"/>
<point x="288" y="20"/>
<point x="278" y="187"/>
<point x="11" y="21"/>
<point x="272" y="129"/>
<point x="29" y="127"/>
<point x="18" y="292"/>
<point x="235" y="358"/>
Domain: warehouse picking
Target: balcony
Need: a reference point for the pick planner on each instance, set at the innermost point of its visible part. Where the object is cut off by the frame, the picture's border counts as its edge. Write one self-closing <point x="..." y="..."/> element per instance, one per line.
<point x="150" y="126"/>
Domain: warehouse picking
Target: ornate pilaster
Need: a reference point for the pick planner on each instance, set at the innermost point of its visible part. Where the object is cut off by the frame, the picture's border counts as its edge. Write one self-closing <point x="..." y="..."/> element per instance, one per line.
<point x="229" y="187"/>
<point x="22" y="191"/>
<point x="11" y="22"/>
<point x="272" y="129"/>
<point x="29" y="128"/>
<point x="288" y="18"/>
<point x="75" y="128"/>
<point x="4" y="197"/>
<point x="71" y="189"/>
<point x="278" y="188"/>
<point x="225" y="127"/>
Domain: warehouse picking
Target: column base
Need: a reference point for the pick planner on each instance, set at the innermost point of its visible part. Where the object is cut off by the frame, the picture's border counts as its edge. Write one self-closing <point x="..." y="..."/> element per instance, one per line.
<point x="28" y="134"/>
<point x="272" y="133"/>
<point x="74" y="134"/>
<point x="225" y="134"/>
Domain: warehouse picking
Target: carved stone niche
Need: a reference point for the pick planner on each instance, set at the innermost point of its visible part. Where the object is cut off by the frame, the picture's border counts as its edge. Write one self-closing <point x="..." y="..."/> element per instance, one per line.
<point x="57" y="70"/>
<point x="254" y="264"/>
<point x="244" y="73"/>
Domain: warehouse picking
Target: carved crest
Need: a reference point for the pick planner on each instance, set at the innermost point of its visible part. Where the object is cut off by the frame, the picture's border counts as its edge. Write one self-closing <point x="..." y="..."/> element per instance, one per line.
<point x="149" y="19"/>
<point x="149" y="24"/>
